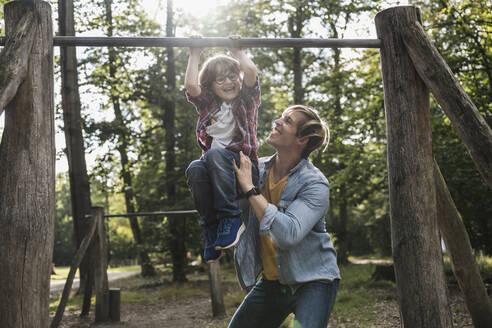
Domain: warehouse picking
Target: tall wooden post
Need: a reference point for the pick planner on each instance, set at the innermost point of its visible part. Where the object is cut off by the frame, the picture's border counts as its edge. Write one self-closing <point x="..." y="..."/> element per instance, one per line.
<point x="416" y="248"/>
<point x="101" y="266"/>
<point x="216" y="290"/>
<point x="27" y="180"/>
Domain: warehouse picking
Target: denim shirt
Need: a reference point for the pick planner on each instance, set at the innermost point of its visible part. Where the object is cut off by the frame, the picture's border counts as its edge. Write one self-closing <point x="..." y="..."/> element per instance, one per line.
<point x="297" y="225"/>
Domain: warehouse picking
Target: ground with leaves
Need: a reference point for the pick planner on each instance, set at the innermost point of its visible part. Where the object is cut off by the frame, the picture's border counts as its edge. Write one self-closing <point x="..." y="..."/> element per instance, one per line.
<point x="157" y="302"/>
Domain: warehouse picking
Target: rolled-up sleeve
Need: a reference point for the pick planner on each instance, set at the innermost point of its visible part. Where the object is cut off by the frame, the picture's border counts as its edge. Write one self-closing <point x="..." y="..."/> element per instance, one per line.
<point x="290" y="227"/>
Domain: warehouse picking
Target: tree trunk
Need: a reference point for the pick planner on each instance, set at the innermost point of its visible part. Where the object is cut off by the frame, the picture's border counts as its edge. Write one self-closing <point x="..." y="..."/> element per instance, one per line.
<point x="295" y="29"/>
<point x="465" y="267"/>
<point x="27" y="180"/>
<point x="75" y="150"/>
<point x="415" y="240"/>
<point x="123" y="135"/>
<point x="341" y="231"/>
<point x="176" y="224"/>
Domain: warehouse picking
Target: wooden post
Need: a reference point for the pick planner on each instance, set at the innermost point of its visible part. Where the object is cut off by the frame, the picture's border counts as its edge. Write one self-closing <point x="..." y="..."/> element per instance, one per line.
<point x="114" y="304"/>
<point x="463" y="261"/>
<point x="101" y="266"/>
<point x="27" y="179"/>
<point x="469" y="124"/>
<point x="415" y="242"/>
<point x="216" y="290"/>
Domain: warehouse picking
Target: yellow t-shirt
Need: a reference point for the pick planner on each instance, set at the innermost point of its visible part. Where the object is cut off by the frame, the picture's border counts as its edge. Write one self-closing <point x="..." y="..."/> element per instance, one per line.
<point x="272" y="192"/>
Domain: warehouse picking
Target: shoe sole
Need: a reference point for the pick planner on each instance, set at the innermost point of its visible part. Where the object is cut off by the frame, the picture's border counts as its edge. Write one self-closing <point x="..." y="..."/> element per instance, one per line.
<point x="215" y="260"/>
<point x="242" y="228"/>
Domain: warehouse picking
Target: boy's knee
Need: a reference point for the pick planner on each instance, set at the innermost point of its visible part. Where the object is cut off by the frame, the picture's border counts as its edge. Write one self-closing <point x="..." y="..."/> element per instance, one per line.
<point x="195" y="169"/>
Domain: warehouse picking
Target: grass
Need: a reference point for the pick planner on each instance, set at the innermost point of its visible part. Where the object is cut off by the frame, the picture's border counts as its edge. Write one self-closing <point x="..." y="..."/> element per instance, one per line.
<point x="484" y="264"/>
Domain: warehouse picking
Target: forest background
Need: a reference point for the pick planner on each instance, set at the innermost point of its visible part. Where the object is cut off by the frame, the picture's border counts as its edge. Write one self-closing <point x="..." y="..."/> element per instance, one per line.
<point x="139" y="130"/>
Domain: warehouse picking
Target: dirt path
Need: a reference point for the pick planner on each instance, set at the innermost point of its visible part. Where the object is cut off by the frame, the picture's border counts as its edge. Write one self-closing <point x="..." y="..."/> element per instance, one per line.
<point x="173" y="308"/>
<point x="162" y="304"/>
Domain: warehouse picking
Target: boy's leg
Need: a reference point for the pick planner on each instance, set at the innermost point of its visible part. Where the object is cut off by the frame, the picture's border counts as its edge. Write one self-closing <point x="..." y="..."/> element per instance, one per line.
<point x="314" y="303"/>
<point x="219" y="164"/>
<point x="202" y="193"/>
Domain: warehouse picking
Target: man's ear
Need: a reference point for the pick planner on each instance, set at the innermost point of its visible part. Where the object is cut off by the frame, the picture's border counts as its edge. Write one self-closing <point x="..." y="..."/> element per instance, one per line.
<point x="303" y="141"/>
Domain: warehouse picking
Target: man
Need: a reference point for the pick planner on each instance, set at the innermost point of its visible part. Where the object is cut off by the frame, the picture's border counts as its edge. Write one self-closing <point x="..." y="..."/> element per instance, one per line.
<point x="285" y="239"/>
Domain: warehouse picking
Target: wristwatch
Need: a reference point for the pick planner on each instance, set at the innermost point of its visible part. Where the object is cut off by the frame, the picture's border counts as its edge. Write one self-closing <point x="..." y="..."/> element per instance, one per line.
<point x="252" y="191"/>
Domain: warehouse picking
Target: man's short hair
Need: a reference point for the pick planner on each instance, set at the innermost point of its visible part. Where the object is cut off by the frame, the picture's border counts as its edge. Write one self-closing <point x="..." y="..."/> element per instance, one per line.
<point x="313" y="127"/>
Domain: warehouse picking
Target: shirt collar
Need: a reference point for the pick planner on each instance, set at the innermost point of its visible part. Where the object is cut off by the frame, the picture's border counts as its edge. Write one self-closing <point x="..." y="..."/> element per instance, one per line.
<point x="269" y="162"/>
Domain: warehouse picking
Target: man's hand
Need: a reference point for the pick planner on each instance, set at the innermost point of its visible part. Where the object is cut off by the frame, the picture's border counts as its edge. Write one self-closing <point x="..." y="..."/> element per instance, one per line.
<point x="243" y="172"/>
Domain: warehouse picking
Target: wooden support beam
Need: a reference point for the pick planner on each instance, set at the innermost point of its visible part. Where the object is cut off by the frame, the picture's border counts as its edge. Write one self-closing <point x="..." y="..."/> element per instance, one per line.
<point x="14" y="57"/>
<point x="55" y="322"/>
<point x="463" y="261"/>
<point x="463" y="114"/>
<point x="416" y="245"/>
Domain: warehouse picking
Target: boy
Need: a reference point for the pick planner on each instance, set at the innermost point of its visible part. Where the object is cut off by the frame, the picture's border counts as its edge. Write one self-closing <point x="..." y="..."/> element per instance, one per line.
<point x="226" y="95"/>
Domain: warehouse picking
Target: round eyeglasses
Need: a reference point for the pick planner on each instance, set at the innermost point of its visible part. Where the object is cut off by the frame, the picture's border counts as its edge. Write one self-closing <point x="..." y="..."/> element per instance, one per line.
<point x="222" y="78"/>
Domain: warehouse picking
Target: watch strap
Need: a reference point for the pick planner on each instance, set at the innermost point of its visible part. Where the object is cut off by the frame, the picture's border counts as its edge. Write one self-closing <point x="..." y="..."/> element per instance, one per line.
<point x="252" y="191"/>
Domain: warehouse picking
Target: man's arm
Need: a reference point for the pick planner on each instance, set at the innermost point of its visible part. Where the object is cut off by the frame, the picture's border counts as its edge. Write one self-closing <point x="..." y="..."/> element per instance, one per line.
<point x="289" y="228"/>
<point x="191" y="78"/>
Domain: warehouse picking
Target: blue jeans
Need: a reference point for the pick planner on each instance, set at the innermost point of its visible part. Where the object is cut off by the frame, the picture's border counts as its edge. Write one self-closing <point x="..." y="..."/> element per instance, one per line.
<point x="269" y="303"/>
<point x="213" y="185"/>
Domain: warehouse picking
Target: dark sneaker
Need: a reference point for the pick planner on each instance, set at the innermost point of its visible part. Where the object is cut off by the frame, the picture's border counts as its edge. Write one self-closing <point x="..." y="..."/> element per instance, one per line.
<point x="210" y="254"/>
<point x="228" y="232"/>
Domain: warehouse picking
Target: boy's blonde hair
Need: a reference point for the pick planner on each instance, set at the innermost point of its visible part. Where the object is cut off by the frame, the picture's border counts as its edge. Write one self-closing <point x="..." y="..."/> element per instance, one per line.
<point x="219" y="64"/>
<point x="313" y="127"/>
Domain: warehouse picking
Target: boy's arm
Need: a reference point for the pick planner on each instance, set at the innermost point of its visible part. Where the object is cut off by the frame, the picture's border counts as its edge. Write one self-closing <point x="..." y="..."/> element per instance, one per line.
<point x="245" y="64"/>
<point x="191" y="76"/>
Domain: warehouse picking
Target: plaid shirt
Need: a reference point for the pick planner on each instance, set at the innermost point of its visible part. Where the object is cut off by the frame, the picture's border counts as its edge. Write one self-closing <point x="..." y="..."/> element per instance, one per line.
<point x="245" y="110"/>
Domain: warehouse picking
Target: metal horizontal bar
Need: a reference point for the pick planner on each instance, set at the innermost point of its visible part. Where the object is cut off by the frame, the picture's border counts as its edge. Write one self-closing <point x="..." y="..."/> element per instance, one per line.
<point x="88" y="41"/>
<point x="150" y="214"/>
